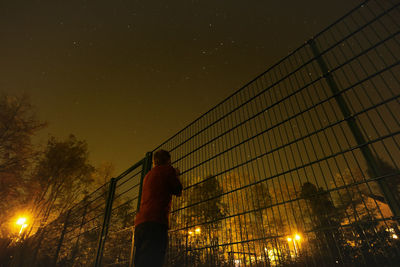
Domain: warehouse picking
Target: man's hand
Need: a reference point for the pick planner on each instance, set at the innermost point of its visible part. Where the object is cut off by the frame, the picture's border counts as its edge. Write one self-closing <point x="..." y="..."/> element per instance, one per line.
<point x="177" y="190"/>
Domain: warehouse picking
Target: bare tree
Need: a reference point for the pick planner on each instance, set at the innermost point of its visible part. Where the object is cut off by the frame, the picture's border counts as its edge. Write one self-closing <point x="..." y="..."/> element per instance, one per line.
<point x="18" y="123"/>
<point x="61" y="177"/>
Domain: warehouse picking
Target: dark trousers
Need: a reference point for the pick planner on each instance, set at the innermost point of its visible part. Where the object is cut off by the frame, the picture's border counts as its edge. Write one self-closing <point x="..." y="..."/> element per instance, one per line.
<point x="151" y="240"/>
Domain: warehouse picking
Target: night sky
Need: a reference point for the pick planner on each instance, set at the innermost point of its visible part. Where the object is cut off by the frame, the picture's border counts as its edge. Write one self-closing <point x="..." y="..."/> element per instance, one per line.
<point x="126" y="75"/>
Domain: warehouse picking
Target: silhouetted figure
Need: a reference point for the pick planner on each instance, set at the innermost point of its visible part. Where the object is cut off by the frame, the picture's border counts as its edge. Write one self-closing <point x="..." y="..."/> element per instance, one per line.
<point x="151" y="223"/>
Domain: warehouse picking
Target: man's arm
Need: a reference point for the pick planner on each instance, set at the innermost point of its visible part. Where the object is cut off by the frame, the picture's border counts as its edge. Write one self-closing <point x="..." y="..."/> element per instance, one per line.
<point x="176" y="186"/>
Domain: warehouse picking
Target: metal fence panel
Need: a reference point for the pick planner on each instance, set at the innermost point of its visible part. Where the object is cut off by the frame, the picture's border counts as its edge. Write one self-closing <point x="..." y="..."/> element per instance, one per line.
<point x="72" y="238"/>
<point x="301" y="165"/>
<point x="98" y="230"/>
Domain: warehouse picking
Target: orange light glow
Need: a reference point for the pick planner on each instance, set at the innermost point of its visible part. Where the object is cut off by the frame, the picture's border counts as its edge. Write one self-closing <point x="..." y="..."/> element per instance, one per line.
<point x="21" y="221"/>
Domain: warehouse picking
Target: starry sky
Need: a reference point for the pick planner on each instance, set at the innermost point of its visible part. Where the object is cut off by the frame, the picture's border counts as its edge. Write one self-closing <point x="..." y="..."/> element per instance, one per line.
<point x="125" y="75"/>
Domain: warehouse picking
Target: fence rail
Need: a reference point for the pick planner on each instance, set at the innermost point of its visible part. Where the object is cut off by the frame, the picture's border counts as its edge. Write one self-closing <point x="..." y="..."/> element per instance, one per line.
<point x="300" y="167"/>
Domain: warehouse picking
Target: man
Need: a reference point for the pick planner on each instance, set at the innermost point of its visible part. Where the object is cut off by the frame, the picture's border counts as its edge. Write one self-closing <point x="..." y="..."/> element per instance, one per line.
<point x="151" y="223"/>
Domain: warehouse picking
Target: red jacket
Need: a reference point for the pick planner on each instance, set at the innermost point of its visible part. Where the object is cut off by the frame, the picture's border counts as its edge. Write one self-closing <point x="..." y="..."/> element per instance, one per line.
<point x="158" y="187"/>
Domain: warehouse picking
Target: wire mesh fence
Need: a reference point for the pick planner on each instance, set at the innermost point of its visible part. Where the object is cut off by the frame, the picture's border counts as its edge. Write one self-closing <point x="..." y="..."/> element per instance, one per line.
<point x="95" y="232"/>
<point x="300" y="167"/>
<point x="74" y="235"/>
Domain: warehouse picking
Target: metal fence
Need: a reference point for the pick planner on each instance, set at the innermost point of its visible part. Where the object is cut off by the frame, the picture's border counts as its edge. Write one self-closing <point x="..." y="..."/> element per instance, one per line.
<point x="300" y="167"/>
<point x="98" y="230"/>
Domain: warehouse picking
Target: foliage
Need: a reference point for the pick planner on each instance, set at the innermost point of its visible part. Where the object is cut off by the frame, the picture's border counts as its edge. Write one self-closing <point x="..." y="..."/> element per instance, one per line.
<point x="18" y="124"/>
<point x="392" y="179"/>
<point x="204" y="215"/>
<point x="61" y="177"/>
<point x="42" y="182"/>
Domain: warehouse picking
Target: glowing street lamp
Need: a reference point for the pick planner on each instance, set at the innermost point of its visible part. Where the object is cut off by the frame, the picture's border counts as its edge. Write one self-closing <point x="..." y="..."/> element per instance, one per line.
<point x="196" y="231"/>
<point x="392" y="233"/>
<point x="22" y="221"/>
<point x="296" y="238"/>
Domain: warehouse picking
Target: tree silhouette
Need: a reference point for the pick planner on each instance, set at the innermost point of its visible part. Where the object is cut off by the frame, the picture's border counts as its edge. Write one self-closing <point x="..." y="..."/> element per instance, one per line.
<point x="204" y="214"/>
<point x="392" y="178"/>
<point x="18" y="124"/>
<point x="60" y="178"/>
<point x="325" y="217"/>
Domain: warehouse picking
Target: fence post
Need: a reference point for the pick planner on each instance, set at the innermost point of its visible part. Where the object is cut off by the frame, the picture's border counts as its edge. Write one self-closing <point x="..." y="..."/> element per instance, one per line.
<point x="355" y="130"/>
<point x="106" y="222"/>
<point x="147" y="163"/>
<point x="61" y="238"/>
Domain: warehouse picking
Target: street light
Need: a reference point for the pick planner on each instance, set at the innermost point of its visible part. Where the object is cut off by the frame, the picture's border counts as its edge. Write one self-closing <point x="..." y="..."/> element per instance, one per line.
<point x="296" y="238"/>
<point x="22" y="221"/>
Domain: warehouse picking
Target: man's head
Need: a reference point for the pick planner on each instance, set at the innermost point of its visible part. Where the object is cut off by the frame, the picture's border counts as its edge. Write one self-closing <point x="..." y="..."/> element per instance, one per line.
<point x="161" y="157"/>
